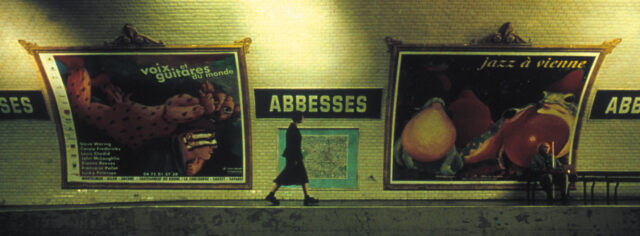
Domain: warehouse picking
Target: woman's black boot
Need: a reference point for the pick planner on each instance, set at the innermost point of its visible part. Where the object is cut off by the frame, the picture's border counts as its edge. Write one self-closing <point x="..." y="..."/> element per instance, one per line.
<point x="310" y="201"/>
<point x="272" y="198"/>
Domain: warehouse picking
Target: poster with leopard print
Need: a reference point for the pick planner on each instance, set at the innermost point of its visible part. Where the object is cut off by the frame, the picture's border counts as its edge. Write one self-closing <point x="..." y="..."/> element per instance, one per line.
<point x="155" y="118"/>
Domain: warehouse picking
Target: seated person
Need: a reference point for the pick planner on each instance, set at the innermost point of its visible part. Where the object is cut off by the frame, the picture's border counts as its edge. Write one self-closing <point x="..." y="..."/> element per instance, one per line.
<point x="543" y="169"/>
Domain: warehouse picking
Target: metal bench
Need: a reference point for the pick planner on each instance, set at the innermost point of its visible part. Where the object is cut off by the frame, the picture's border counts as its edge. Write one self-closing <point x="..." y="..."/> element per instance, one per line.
<point x="531" y="185"/>
<point x="607" y="177"/>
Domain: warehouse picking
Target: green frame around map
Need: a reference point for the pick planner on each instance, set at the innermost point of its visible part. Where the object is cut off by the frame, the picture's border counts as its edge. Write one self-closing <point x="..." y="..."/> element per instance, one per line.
<point x="350" y="180"/>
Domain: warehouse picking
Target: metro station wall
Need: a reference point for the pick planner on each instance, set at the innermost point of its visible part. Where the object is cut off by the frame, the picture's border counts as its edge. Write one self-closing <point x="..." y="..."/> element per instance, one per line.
<point x="304" y="44"/>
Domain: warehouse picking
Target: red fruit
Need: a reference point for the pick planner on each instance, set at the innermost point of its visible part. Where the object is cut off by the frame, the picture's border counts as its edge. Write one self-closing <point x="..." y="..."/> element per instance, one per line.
<point x="470" y="116"/>
<point x="524" y="132"/>
<point x="571" y="83"/>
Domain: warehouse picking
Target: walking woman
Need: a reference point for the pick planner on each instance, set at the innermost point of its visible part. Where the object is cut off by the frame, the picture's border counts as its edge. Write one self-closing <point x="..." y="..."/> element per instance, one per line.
<point x="294" y="172"/>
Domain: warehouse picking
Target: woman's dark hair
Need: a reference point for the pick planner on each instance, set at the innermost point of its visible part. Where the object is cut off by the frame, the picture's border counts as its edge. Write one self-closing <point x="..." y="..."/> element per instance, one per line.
<point x="296" y="116"/>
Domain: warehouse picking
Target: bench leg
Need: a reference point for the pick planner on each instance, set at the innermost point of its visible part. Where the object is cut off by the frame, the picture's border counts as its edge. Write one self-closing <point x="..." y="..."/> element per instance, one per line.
<point x="593" y="185"/>
<point x="607" y="192"/>
<point x="564" y="192"/>
<point x="615" y="192"/>
<point x="584" y="191"/>
<point x="533" y="191"/>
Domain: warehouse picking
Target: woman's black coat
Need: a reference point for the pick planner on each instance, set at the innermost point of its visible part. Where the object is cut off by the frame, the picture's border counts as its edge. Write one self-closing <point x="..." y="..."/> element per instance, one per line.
<point x="294" y="172"/>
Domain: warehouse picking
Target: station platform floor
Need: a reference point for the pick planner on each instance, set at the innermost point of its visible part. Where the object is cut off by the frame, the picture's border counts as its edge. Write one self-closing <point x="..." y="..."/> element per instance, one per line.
<point x="326" y="218"/>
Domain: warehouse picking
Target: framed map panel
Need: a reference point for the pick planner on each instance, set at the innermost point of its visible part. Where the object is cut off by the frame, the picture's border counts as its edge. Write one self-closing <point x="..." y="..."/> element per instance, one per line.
<point x="330" y="156"/>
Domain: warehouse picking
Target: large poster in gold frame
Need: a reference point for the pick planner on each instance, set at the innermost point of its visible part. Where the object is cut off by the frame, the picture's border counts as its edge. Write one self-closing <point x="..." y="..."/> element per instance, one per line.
<point x="474" y="116"/>
<point x="150" y="117"/>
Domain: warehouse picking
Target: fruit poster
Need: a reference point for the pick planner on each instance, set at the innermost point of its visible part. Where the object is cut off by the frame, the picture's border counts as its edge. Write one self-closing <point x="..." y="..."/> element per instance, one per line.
<point x="151" y="119"/>
<point x="463" y="118"/>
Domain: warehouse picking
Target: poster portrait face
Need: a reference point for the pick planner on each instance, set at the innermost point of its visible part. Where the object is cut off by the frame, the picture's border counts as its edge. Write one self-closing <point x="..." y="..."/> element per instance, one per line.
<point x="463" y="118"/>
<point x="154" y="119"/>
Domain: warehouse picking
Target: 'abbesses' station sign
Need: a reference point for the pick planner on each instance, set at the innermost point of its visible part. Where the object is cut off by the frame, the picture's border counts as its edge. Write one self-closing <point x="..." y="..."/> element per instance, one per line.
<point x="22" y="105"/>
<point x="616" y="104"/>
<point x="318" y="103"/>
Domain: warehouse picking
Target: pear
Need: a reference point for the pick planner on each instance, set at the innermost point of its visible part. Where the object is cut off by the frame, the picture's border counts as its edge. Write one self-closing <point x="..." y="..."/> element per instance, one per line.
<point x="430" y="134"/>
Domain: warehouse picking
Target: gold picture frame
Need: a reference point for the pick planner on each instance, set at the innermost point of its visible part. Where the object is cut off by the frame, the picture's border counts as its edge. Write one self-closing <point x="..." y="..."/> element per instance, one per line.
<point x="462" y="117"/>
<point x="136" y="113"/>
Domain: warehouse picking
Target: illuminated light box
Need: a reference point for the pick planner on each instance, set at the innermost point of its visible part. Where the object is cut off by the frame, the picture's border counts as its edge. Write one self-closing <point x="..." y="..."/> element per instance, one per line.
<point x="472" y="116"/>
<point x="154" y="116"/>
